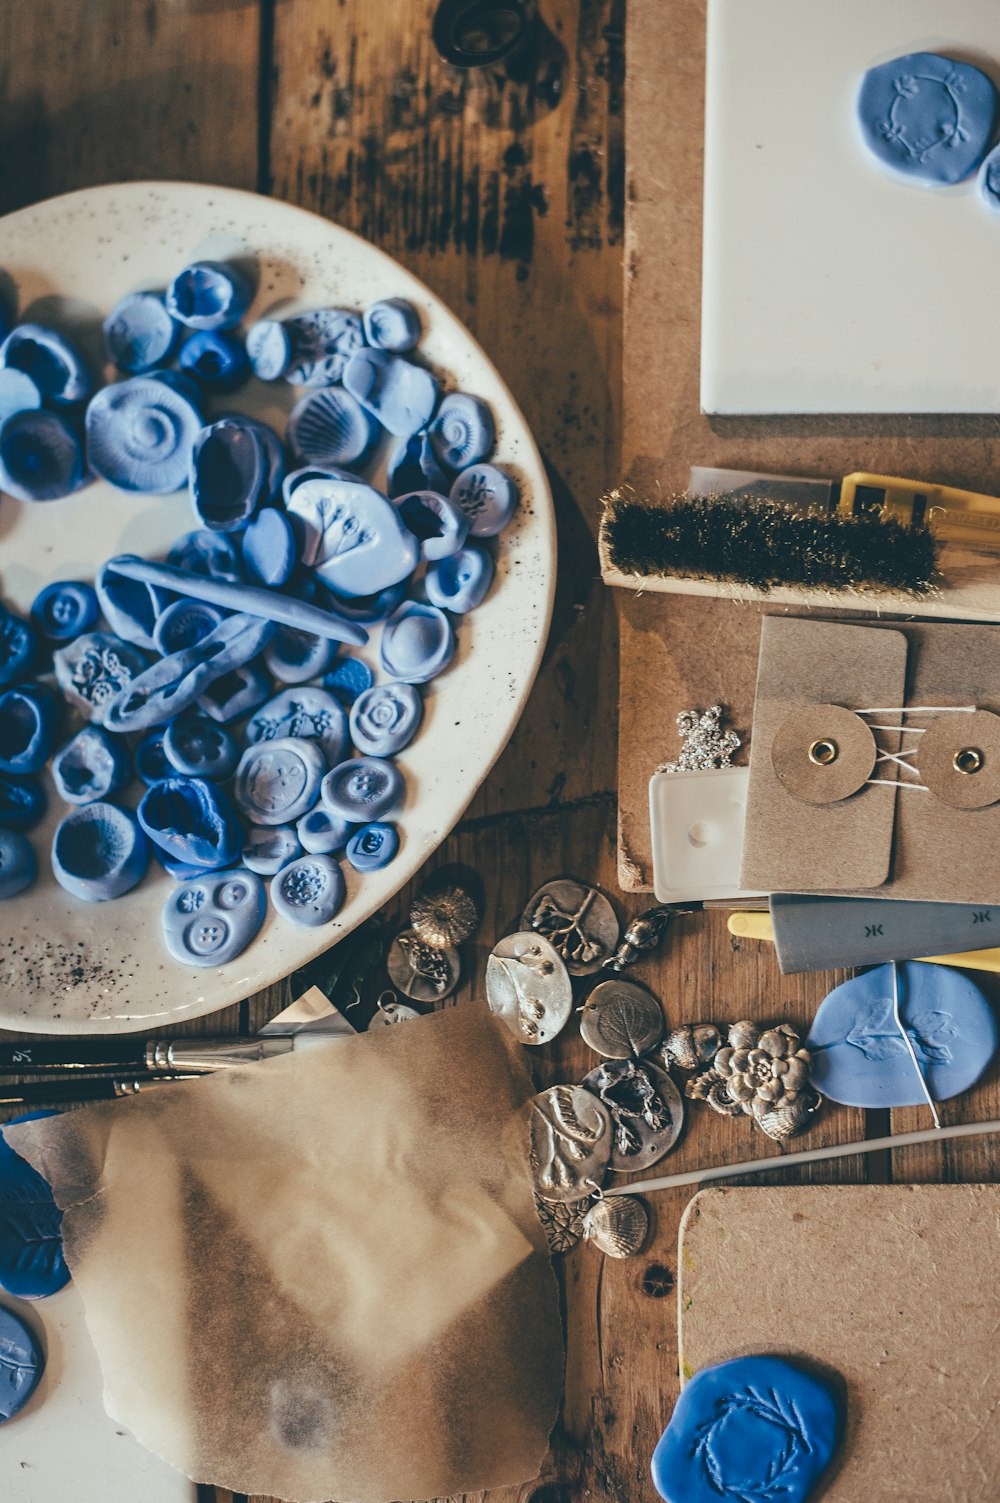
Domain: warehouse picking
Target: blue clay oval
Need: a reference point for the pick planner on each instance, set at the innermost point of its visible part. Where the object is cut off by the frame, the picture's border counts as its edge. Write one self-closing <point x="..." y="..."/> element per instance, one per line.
<point x="267" y="848"/>
<point x="400" y="394"/>
<point x="152" y="765"/>
<point x="54" y="364"/>
<point x="301" y="713"/>
<point x="131" y="607"/>
<point x="352" y="536"/>
<point x="461" y="582"/>
<point x="209" y="554"/>
<point x="65" y="610"/>
<point x="22" y="802"/>
<point x="269" y="349"/>
<point x="41" y="458"/>
<point x="216" y="358"/>
<point x="270" y="552"/>
<point x="294" y="657"/>
<point x="413" y="466"/>
<point x="329" y="427"/>
<point x="28" y="720"/>
<point x="91" y="766"/>
<point x="348" y="678"/>
<point x="141" y="434"/>
<point x="228" y="475"/>
<point x="235" y="693"/>
<point x="99" y="852"/>
<point x="417" y="643"/>
<point x="487" y="496"/>
<point x="392" y="324"/>
<point x="22" y="1366"/>
<point x="198" y="747"/>
<point x="139" y="333"/>
<point x="92" y="670"/>
<point x="988" y="183"/>
<point x="436" y="522"/>
<point x="322" y="342"/>
<point x="279" y="780"/>
<point x="373" y="847"/>
<point x="193" y="821"/>
<point x="17" y="871"/>
<point x="18" y="393"/>
<point x="32" y="1265"/>
<point x="321" y="833"/>
<point x="18" y="648"/>
<point x="183" y="624"/>
<point x="363" y="789"/>
<point x="309" y="891"/>
<point x="209" y="295"/>
<point x="209" y="920"/>
<point x="462" y="432"/>
<point x="386" y="718"/>
<point x="927" y="117"/>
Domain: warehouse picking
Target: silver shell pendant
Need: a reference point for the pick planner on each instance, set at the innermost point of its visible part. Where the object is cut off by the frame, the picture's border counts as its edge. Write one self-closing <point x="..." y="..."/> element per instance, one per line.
<point x="789" y="1120"/>
<point x="562" y="1222"/>
<point x="617" y="1225"/>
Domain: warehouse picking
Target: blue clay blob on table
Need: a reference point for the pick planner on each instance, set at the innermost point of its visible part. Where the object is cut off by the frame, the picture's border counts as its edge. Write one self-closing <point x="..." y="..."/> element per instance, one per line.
<point x="461" y="582"/>
<point x="53" y="362"/>
<point x="487" y="496"/>
<point x="267" y="848"/>
<point x="301" y="713"/>
<point x="196" y="746"/>
<point x="309" y="891"/>
<point x="91" y="766"/>
<point x="99" y="852"/>
<point x="858" y="1057"/>
<point x="401" y="395"/>
<point x="269" y="349"/>
<point x="372" y="847"/>
<point x="418" y="643"/>
<point x="216" y="359"/>
<point x="438" y="525"/>
<point x="193" y="821"/>
<point x="65" y="610"/>
<point x="320" y="832"/>
<point x="330" y="427"/>
<point x="269" y="549"/>
<point x="22" y="1363"/>
<point x="32" y="1265"/>
<point x="139" y="333"/>
<point x="209" y="920"/>
<point x="209" y="295"/>
<point x="141" y="434"/>
<point x="462" y="432"/>
<point x="989" y="181"/>
<point x="17" y="867"/>
<point x="321" y="343"/>
<point x="386" y="718"/>
<point x="363" y="789"/>
<point x="41" y="458"/>
<point x="754" y="1429"/>
<point x="348" y="678"/>
<point x="18" y="648"/>
<point x="22" y="803"/>
<point x="926" y="116"/>
<point x="28" y="720"/>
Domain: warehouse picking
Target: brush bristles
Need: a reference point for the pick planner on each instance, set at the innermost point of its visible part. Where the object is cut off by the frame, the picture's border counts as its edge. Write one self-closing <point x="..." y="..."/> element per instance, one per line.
<point x="762" y="543"/>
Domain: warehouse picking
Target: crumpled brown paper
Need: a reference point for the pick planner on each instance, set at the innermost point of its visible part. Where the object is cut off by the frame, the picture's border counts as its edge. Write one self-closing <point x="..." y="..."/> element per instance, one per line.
<point x="322" y="1275"/>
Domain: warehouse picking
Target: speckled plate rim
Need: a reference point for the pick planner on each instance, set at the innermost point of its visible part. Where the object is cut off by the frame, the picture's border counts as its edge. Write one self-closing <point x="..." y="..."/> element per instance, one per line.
<point x="67" y="967"/>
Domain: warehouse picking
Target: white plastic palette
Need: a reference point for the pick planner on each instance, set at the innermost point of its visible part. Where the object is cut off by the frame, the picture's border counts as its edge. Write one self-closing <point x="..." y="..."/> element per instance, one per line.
<point x="696" y="820"/>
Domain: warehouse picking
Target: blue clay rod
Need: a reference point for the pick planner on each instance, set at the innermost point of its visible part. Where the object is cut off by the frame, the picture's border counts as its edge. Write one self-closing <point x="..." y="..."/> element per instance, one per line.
<point x="175" y="682"/>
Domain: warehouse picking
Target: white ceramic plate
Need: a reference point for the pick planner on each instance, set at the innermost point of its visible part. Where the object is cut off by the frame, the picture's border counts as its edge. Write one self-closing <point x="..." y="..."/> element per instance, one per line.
<point x="67" y="966"/>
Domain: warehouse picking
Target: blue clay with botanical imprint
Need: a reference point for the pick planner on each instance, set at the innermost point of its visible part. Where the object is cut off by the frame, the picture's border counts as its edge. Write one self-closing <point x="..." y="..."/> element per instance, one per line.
<point x="301" y="713"/>
<point x="321" y="344"/>
<point x="488" y="497"/>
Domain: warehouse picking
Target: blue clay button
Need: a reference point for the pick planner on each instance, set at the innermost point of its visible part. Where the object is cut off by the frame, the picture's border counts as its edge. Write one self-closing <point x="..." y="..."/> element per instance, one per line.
<point x="487" y="496"/>
<point x="270" y="552"/>
<point x="322" y="342"/>
<point x="385" y="719"/>
<point x="989" y="189"/>
<point x="301" y="713"/>
<point x="392" y="324"/>
<point x="463" y="432"/>
<point x="141" y="434"/>
<point x="754" y="1430"/>
<point x="209" y="554"/>
<point x="17" y="648"/>
<point x="279" y="780"/>
<point x="193" y="821"/>
<point x="28" y="717"/>
<point x="17" y="871"/>
<point x="459" y="583"/>
<point x="99" y="852"/>
<point x="197" y="747"/>
<point x="413" y="466"/>
<point x="91" y="766"/>
<point x="321" y="833"/>
<point x="269" y="349"/>
<point x="228" y="475"/>
<point x="216" y="358"/>
<point x="32" y="1264"/>
<point x="53" y="363"/>
<point x="294" y="657"/>
<point x="65" y="610"/>
<point x="348" y="678"/>
<point x="22" y="803"/>
<point x="18" y="393"/>
<point x="363" y="789"/>
<point x="41" y="458"/>
<point x="417" y="643"/>
<point x="152" y="765"/>
<point x="210" y="920"/>
<point x="400" y="394"/>
<point x="352" y="536"/>
<point x="235" y="693"/>
<point x="373" y="847"/>
<point x="858" y="1057"/>
<point x="209" y="295"/>
<point x="927" y="117"/>
<point x="267" y="848"/>
<point x="139" y="333"/>
<point x="330" y="427"/>
<point x="131" y="607"/>
<point x="309" y="891"/>
<point x="183" y="624"/>
<point x="436" y="522"/>
<point x="93" y="670"/>
<point x="22" y="1362"/>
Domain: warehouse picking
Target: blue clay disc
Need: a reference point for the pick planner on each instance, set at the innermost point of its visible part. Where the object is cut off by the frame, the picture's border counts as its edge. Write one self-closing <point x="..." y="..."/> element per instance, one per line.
<point x="216" y="358"/>
<point x="18" y="393"/>
<point x="321" y="833"/>
<point x="41" y="458"/>
<point x="141" y="435"/>
<point x="348" y="678"/>
<point x="373" y="847"/>
<point x="363" y="789"/>
<point x="65" y="610"/>
<point x="926" y="116"/>
<point x="487" y="496"/>
<point x="385" y="719"/>
<point x="321" y="343"/>
<point x="270" y="552"/>
<point x="463" y="431"/>
<point x="418" y="643"/>
<point x="31" y="1251"/>
<point x="400" y="394"/>
<point x="22" y="802"/>
<point x="17" y="866"/>
<point x="209" y="920"/>
<point x="309" y="891"/>
<point x="392" y="324"/>
<point x="303" y="713"/>
<point x="279" y="780"/>
<point x="269" y="349"/>
<point x="139" y="333"/>
<point x="209" y="295"/>
<point x="751" y="1430"/>
<point x="236" y="693"/>
<point x="858" y="1057"/>
<point x="267" y="848"/>
<point x="460" y="582"/>
<point x="99" y="852"/>
<point x="150" y="758"/>
<point x="91" y="766"/>
<point x="198" y="747"/>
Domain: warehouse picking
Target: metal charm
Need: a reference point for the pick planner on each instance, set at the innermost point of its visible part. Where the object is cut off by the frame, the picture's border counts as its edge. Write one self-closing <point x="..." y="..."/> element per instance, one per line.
<point x="763" y="1072"/>
<point x="577" y="919"/>
<point x="645" y="1107"/>
<point x="621" y="1020"/>
<point x="562" y="1222"/>
<point x="704" y="744"/>
<point x="617" y="1226"/>
<point x="391" y="1012"/>
<point x="642" y="934"/>
<point x="528" y="987"/>
<point x="570" y="1142"/>
<point x="421" y="971"/>
<point x="691" y="1045"/>
<point x="443" y="914"/>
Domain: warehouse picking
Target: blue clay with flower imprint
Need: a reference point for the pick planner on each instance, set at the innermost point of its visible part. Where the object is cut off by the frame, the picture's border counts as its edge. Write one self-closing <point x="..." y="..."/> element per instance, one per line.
<point x="436" y="522"/>
<point x="94" y="669"/>
<point x="309" y="891"/>
<point x="269" y="349"/>
<point x="139" y="333"/>
<point x="363" y="789"/>
<point x="22" y="802"/>
<point x="32" y="1265"/>
<point x="209" y="920"/>
<point x="462" y="432"/>
<point x="99" y="852"/>
<point x="53" y="363"/>
<point x="372" y="847"/>
<point x="18" y="648"/>
<point x="209" y="295"/>
<point x="927" y="117"/>
<point x="401" y="395"/>
<point x="193" y="821"/>
<point x="392" y="324"/>
<point x="267" y="848"/>
<point x="17" y="871"/>
<point x="321" y="833"/>
<point x="141" y="434"/>
<point x="418" y="643"/>
<point x="91" y="766"/>
<point x="65" y="610"/>
<point x="41" y="457"/>
<point x="386" y="718"/>
<point x="197" y="747"/>
<point x="488" y="498"/>
<point x="461" y="582"/>
<point x="321" y="344"/>
<point x="301" y="713"/>
<point x="279" y="780"/>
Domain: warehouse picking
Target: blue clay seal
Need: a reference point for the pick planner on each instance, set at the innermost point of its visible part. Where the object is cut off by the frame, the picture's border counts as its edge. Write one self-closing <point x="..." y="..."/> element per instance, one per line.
<point x="309" y="891"/>
<point x="386" y="718"/>
<point x="139" y="333"/>
<point x="418" y="643"/>
<point x="927" y="117"/>
<point x="209" y="920"/>
<point x="198" y="747"/>
<point x="487" y="496"/>
<point x="279" y="780"/>
<point x="363" y="789"/>
<point x="267" y="848"/>
<point x="22" y="1363"/>
<point x="461" y="582"/>
<point x="65" y="610"/>
<point x="373" y="847"/>
<point x="32" y="1265"/>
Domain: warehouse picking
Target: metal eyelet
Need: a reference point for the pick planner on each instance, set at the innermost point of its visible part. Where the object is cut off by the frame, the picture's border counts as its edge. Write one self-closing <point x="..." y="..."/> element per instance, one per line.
<point x="824" y="752"/>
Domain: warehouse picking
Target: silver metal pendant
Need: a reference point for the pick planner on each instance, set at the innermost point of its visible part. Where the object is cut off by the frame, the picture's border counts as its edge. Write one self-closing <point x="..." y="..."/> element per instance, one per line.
<point x="570" y="1142"/>
<point x="617" y="1225"/>
<point x="422" y="971"/>
<point x="641" y="935"/>
<point x="392" y="1012"/>
<point x="577" y="919"/>
<point x="645" y="1107"/>
<point x="562" y="1222"/>
<point x="444" y="914"/>
<point x="528" y="987"/>
<point x="621" y="1020"/>
<point x="691" y="1045"/>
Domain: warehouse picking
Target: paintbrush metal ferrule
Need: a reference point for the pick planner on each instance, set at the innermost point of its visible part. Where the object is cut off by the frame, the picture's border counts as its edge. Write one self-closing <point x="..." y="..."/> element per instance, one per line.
<point x="191" y="1055"/>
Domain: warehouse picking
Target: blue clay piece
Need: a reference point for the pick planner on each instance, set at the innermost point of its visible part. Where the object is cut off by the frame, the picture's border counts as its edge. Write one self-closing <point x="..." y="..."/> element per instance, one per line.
<point x="321" y="343"/>
<point x="753" y="1430"/>
<point x="211" y="555"/>
<point x="91" y="766"/>
<point x="279" y="780"/>
<point x="235" y="694"/>
<point x="193" y="821"/>
<point x="150" y="759"/>
<point x="229" y="475"/>
<point x="185" y="386"/>
<point x="463" y="431"/>
<point x="18" y="393"/>
<point x="363" y="789"/>
<point x="32" y="1265"/>
<point x="22" y="1362"/>
<point x="92" y="670"/>
<point x="177" y="871"/>
<point x="22" y="803"/>
<point x="369" y="610"/>
<point x="197" y="747"/>
<point x="302" y="713"/>
<point x="348" y="678"/>
<point x="53" y="363"/>
<point x="270" y="552"/>
<point x="209" y="295"/>
<point x="28" y="719"/>
<point x="859" y="1057"/>
<point x="417" y="643"/>
<point x="99" y="852"/>
<point x="65" y="610"/>
<point x="183" y="624"/>
<point x="295" y="478"/>
<point x="321" y="833"/>
<point x="216" y="358"/>
<point x="41" y="458"/>
<point x="373" y="847"/>
<point x="352" y="536"/>
<point x="989" y="192"/>
<point x="269" y="349"/>
<point x="267" y="848"/>
<point x="141" y="434"/>
<point x="18" y="648"/>
<point x="487" y="496"/>
<point x="210" y="920"/>
<point x="461" y="582"/>
<point x="294" y="657"/>
<point x="413" y="466"/>
<point x="175" y="682"/>
<point x="139" y="333"/>
<point x="131" y="607"/>
<point x="329" y="427"/>
<point x="17" y="871"/>
<point x="927" y="116"/>
<point x="401" y="395"/>
<point x="393" y="324"/>
<point x="385" y="719"/>
<point x="309" y="891"/>
<point x="436" y="522"/>
<point x="274" y="455"/>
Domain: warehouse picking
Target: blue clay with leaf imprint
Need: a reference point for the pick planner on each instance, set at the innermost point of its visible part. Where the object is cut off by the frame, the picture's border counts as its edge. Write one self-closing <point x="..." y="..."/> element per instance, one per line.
<point x="22" y="802"/>
<point x="372" y="847"/>
<point x="392" y="324"/>
<point x="386" y="718"/>
<point x="418" y="643"/>
<point x="209" y="920"/>
<point x="321" y="343"/>
<point x="41" y="457"/>
<point x="209" y="295"/>
<point x="363" y="789"/>
<point x="461" y="582"/>
<point x="330" y="427"/>
<point x="267" y="848"/>
<point x="17" y="871"/>
<point x="413" y="466"/>
<point x="309" y="891"/>
<point x="196" y="746"/>
<point x="235" y="694"/>
<point x="269" y="349"/>
<point x="91" y="766"/>
<point x="270" y="551"/>
<point x="321" y="833"/>
<point x="352" y="536"/>
<point x="139" y="333"/>
<point x="28" y="720"/>
<point x="32" y="1265"/>
<point x="487" y="496"/>
<point x="141" y="434"/>
<point x="99" y="852"/>
<point x="927" y="117"/>
<point x="277" y="781"/>
<point x="22" y="1365"/>
<point x="64" y="610"/>
<point x="18" y="393"/>
<point x="401" y="395"/>
<point x="184" y="623"/>
<point x="211" y="555"/>
<point x="54" y="363"/>
<point x="302" y="712"/>
<point x="193" y="821"/>
<point x="463" y="431"/>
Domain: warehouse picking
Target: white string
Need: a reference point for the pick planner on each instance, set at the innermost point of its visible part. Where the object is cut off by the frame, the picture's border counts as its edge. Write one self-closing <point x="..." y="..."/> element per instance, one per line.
<point x="892" y="783"/>
<point x="900" y="730"/>
<point x="897" y="1019"/>
<point x="918" y="710"/>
